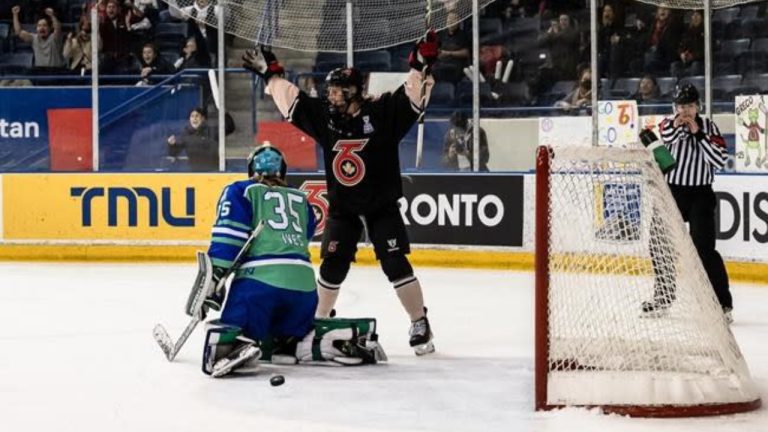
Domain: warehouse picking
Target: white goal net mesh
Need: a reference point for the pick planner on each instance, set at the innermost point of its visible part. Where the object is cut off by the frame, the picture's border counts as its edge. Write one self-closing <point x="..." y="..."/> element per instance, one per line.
<point x="322" y="25"/>
<point x="617" y="240"/>
<point x="698" y="4"/>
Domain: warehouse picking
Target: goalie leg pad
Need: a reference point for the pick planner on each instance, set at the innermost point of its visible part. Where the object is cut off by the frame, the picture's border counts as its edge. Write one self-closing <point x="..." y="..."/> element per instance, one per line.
<point x="226" y="349"/>
<point x="341" y="342"/>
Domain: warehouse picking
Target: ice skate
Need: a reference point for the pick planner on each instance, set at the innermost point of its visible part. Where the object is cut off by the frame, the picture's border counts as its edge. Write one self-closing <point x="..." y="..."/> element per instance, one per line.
<point x="728" y="312"/>
<point x="421" y="336"/>
<point x="656" y="308"/>
<point x="236" y="359"/>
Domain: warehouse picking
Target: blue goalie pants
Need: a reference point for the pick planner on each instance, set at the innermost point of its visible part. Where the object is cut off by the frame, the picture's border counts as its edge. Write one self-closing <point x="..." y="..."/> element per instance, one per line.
<point x="264" y="311"/>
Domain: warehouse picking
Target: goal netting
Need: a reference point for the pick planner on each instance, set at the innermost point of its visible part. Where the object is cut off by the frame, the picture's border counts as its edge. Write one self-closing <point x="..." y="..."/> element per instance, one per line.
<point x="698" y="4"/>
<point x="608" y="238"/>
<point x="322" y="25"/>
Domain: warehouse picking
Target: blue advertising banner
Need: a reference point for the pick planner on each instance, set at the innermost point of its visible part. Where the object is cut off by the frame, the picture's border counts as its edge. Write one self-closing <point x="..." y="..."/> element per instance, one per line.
<point x="25" y="132"/>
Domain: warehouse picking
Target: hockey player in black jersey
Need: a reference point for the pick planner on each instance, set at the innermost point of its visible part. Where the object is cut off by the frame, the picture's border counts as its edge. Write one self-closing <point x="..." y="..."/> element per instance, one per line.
<point x="359" y="137"/>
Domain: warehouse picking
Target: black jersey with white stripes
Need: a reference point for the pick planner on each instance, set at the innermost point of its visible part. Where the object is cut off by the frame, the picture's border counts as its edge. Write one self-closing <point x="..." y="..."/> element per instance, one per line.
<point x="697" y="155"/>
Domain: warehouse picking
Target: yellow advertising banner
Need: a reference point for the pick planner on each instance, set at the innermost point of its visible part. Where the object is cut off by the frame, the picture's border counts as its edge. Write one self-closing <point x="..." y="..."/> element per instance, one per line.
<point x="125" y="207"/>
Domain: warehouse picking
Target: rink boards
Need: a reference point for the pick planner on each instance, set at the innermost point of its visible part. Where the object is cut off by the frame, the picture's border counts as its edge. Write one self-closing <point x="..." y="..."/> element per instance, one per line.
<point x="453" y="220"/>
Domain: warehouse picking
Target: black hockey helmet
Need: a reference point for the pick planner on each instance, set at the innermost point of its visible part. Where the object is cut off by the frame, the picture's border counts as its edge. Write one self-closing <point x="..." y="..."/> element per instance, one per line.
<point x="346" y="77"/>
<point x="685" y="94"/>
<point x="267" y="161"/>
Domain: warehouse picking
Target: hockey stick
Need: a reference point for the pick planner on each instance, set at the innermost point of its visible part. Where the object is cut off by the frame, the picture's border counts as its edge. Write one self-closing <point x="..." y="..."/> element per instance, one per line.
<point x="163" y="339"/>
<point x="423" y="100"/>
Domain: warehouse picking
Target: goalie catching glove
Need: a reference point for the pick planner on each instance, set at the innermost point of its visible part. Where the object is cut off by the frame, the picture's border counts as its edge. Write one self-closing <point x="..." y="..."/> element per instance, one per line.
<point x="263" y="63"/>
<point x="425" y="52"/>
<point x="218" y="293"/>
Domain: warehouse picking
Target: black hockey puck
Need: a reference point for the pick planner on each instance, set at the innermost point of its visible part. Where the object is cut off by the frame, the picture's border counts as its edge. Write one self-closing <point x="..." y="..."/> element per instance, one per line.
<point x="277" y="380"/>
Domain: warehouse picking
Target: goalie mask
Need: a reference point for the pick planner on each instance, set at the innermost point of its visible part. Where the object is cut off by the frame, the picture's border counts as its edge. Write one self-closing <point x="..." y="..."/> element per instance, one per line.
<point x="267" y="161"/>
<point x="344" y="79"/>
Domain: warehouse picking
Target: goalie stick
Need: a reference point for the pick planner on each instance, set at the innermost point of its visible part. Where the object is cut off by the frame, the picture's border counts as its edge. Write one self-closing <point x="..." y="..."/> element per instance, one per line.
<point x="424" y="72"/>
<point x="194" y="306"/>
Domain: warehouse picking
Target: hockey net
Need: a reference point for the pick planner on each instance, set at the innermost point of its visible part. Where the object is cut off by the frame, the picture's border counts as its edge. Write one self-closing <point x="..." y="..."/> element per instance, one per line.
<point x="609" y="237"/>
<point x="322" y="25"/>
<point x="698" y="4"/>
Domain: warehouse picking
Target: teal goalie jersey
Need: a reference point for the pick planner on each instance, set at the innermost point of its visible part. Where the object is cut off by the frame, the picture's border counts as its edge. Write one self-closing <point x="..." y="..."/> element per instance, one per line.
<point x="280" y="255"/>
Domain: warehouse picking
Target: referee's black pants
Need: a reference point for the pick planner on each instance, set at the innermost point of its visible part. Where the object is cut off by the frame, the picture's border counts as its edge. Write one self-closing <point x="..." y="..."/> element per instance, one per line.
<point x="697" y="205"/>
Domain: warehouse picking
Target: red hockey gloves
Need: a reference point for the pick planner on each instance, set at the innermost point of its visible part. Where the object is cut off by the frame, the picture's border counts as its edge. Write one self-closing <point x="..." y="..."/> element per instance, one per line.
<point x="425" y="51"/>
<point x="263" y="63"/>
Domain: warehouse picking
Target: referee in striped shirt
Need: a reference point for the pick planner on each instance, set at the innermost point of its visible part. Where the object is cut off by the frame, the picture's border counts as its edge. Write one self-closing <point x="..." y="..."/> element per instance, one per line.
<point x="699" y="149"/>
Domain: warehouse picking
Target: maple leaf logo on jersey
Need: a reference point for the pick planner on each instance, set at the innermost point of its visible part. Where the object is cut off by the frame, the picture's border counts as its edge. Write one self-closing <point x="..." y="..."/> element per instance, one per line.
<point x="348" y="166"/>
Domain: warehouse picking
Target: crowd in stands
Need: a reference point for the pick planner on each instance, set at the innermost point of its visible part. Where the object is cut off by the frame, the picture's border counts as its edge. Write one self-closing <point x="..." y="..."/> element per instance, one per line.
<point x="643" y="50"/>
<point x="136" y="37"/>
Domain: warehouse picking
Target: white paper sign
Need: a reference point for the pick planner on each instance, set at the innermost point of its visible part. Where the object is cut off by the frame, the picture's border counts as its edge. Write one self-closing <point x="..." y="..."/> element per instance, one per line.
<point x="751" y="138"/>
<point x="618" y="124"/>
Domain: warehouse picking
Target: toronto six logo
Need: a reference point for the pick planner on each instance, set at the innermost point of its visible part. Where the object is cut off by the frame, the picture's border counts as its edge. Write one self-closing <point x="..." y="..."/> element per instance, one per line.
<point x="348" y="166"/>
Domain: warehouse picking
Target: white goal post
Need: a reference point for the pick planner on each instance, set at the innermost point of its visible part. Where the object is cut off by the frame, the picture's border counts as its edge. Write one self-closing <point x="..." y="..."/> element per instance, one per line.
<point x="609" y="237"/>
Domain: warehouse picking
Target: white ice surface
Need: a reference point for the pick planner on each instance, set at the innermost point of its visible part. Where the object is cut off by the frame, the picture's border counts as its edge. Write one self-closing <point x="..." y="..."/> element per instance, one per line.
<point x="76" y="354"/>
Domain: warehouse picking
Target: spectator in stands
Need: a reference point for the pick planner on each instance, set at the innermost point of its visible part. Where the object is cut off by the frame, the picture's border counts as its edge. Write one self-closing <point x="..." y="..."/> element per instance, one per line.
<point x="662" y="42"/>
<point x="489" y="56"/>
<point x="457" y="145"/>
<point x="77" y="48"/>
<point x="101" y="9"/>
<point x="454" y="51"/>
<point x="191" y="57"/>
<point x="612" y="44"/>
<point x="511" y="9"/>
<point x="138" y="22"/>
<point x="202" y="150"/>
<point x="144" y="14"/>
<point x="647" y="90"/>
<point x="581" y="96"/>
<point x="201" y="17"/>
<point x="47" y="42"/>
<point x="562" y="40"/>
<point x="151" y="63"/>
<point x="116" y="41"/>
<point x="691" y="51"/>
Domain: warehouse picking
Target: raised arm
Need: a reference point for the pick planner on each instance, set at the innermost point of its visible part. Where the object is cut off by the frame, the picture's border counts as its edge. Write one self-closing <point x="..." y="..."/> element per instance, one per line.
<point x="413" y="88"/>
<point x="56" y="23"/>
<point x="302" y="111"/>
<point x="264" y="64"/>
<point x="284" y="93"/>
<point x="22" y="34"/>
<point x="421" y="59"/>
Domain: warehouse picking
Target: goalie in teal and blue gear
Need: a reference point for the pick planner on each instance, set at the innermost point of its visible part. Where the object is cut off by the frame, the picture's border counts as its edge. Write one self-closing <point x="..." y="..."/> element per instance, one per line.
<point x="273" y="296"/>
